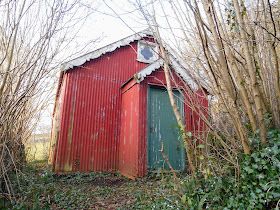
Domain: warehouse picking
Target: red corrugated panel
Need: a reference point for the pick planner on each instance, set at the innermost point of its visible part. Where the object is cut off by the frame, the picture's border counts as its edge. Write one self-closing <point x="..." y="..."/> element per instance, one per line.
<point x="129" y="135"/>
<point x="91" y="112"/>
<point x="201" y="109"/>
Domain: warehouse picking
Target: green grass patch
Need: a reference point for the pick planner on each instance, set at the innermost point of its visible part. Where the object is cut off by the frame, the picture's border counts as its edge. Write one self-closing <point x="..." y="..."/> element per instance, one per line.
<point x="37" y="147"/>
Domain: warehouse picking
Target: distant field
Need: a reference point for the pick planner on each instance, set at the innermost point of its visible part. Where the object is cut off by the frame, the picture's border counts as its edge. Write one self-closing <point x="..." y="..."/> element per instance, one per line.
<point x="37" y="148"/>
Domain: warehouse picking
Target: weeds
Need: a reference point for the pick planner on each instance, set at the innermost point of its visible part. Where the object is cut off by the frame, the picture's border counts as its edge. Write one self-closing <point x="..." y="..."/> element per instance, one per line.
<point x="41" y="189"/>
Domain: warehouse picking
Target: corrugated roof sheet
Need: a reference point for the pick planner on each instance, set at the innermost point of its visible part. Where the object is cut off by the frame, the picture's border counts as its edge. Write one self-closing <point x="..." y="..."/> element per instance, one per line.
<point x="140" y="76"/>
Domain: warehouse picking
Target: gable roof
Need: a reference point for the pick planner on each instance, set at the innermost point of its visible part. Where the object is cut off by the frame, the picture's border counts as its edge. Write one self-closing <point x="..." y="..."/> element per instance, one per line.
<point x="148" y="70"/>
<point x="140" y="76"/>
<point x="103" y="50"/>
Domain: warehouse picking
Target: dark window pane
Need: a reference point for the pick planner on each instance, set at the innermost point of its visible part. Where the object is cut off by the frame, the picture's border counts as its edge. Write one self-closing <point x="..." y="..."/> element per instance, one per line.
<point x="147" y="53"/>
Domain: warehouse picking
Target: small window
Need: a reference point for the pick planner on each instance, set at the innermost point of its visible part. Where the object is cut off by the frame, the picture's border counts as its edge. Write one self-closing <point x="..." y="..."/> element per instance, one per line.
<point x="147" y="52"/>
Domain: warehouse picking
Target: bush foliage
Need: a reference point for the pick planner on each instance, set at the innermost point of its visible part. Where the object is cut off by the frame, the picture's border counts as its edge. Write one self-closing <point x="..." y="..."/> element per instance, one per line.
<point x="258" y="186"/>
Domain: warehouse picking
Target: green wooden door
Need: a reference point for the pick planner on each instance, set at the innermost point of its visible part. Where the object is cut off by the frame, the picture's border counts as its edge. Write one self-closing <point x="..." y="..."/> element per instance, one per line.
<point x="163" y="130"/>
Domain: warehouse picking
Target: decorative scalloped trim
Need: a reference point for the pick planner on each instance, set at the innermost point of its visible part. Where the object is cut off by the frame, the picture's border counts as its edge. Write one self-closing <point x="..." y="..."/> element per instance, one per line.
<point x="177" y="67"/>
<point x="140" y="76"/>
<point x="101" y="51"/>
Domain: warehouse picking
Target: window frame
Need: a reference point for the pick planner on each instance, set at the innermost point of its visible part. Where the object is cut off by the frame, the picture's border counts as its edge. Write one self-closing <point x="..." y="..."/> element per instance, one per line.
<point x="147" y="43"/>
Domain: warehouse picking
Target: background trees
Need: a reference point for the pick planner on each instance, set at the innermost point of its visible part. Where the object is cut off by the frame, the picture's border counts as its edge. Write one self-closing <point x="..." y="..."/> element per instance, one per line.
<point x="35" y="36"/>
<point x="232" y="48"/>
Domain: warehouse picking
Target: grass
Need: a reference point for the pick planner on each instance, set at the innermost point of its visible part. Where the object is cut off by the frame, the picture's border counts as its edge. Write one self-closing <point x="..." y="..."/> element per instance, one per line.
<point x="37" y="151"/>
<point x="37" y="147"/>
<point x="41" y="189"/>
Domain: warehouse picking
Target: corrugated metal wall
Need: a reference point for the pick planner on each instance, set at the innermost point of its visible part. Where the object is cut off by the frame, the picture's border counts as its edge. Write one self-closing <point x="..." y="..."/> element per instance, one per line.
<point x="198" y="125"/>
<point x="91" y="112"/>
<point x="133" y="138"/>
<point x="130" y="131"/>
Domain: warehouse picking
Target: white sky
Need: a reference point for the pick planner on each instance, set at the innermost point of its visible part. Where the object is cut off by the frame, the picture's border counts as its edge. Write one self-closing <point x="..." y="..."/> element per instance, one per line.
<point x="103" y="22"/>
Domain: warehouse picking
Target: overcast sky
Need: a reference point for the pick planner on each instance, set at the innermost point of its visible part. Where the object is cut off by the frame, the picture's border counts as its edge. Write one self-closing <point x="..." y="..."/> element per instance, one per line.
<point x="106" y="24"/>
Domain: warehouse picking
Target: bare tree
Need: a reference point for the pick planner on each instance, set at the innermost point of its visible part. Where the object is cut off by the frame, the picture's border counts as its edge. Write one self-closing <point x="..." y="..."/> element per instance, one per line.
<point x="232" y="48"/>
<point x="34" y="36"/>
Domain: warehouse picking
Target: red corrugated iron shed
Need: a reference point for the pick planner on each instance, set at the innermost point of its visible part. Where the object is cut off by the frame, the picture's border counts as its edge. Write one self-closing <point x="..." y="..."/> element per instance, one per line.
<point x="100" y="117"/>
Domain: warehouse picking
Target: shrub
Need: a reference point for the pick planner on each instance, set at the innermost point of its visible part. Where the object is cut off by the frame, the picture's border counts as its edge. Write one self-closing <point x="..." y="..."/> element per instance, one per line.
<point x="258" y="186"/>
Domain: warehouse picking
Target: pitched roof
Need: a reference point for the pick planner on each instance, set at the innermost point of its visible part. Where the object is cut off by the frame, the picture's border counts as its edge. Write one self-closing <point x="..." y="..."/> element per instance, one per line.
<point x="148" y="70"/>
<point x="140" y="76"/>
<point x="103" y="50"/>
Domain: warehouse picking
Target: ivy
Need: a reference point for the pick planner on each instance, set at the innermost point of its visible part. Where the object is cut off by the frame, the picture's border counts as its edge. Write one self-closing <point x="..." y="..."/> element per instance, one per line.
<point x="258" y="186"/>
